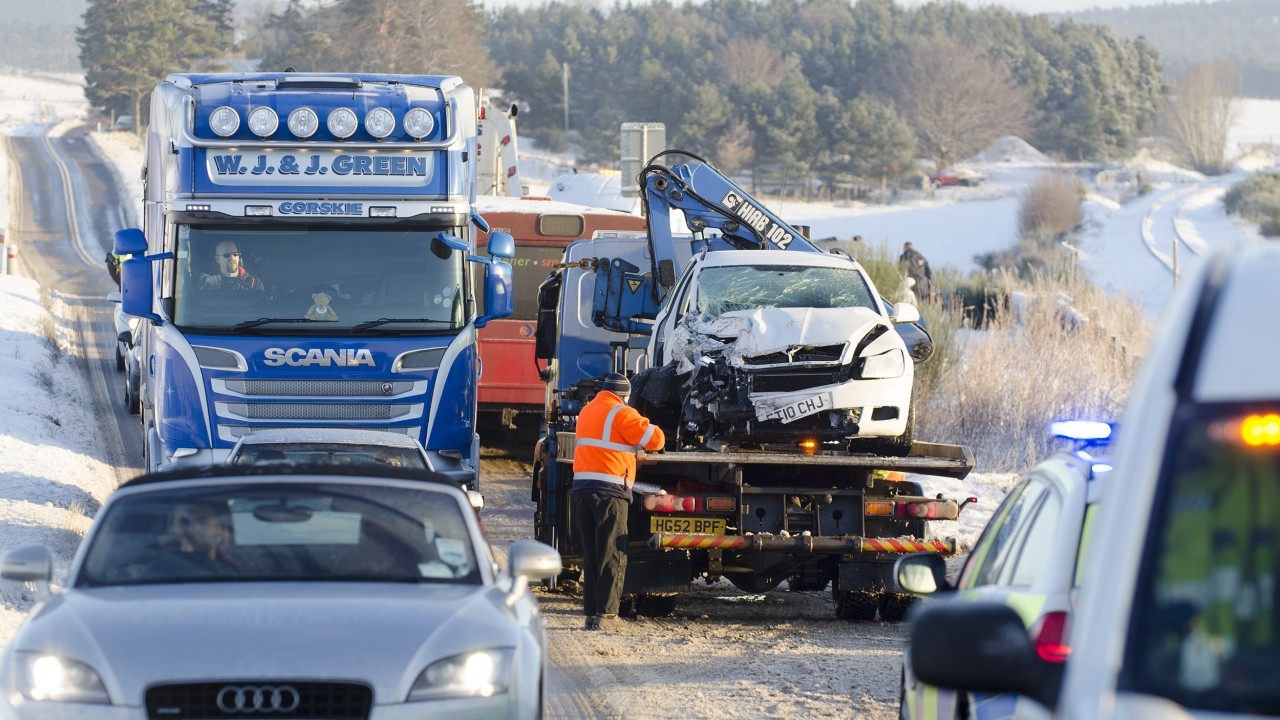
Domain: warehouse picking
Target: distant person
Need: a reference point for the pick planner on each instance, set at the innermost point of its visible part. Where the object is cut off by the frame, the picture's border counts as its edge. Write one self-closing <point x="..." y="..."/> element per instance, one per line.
<point x="113" y="267"/>
<point x="231" y="274"/>
<point x="917" y="268"/>
<point x="604" y="469"/>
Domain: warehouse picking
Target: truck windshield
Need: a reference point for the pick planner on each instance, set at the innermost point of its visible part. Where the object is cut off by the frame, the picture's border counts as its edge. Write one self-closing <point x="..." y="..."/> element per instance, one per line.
<point x="747" y="287"/>
<point x="1205" y="628"/>
<point x="301" y="279"/>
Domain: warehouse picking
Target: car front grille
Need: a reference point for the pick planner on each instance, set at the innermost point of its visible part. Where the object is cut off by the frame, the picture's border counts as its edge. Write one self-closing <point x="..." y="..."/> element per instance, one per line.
<point x="793" y="380"/>
<point x="260" y="699"/>
<point x="800" y="354"/>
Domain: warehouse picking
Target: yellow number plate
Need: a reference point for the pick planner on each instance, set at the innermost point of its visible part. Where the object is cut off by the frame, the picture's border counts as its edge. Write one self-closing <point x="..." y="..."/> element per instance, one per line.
<point x="693" y="525"/>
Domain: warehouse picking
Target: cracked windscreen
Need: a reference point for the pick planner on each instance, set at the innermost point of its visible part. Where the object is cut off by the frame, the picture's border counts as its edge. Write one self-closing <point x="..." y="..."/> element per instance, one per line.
<point x="747" y="287"/>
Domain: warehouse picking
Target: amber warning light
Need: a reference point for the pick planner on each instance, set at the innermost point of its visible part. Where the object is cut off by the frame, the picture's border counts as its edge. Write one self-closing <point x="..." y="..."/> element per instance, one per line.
<point x="1261" y="430"/>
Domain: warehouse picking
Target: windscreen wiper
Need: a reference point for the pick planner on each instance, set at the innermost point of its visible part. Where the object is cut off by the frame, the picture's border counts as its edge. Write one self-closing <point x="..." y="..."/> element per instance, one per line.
<point x="264" y="320"/>
<point x="384" y="321"/>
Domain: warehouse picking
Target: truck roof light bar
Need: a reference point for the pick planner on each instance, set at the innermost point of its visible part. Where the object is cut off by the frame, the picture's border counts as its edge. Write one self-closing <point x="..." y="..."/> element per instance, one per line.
<point x="380" y="122"/>
<point x="342" y="123"/>
<point x="263" y="122"/>
<point x="198" y="207"/>
<point x="224" y="121"/>
<point x="418" y="123"/>
<point x="303" y="122"/>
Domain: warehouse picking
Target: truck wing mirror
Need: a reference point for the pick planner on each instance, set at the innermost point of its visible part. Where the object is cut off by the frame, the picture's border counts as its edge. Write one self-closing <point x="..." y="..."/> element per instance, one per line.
<point x="498" y="300"/>
<point x="666" y="273"/>
<point x="501" y="244"/>
<point x="130" y="241"/>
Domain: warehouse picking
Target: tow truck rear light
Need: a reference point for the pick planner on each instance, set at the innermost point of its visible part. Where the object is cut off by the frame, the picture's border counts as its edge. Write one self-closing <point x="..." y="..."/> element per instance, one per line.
<point x="927" y="510"/>
<point x="879" y="508"/>
<point x="1051" y="637"/>
<point x="721" y="504"/>
<point x="688" y="504"/>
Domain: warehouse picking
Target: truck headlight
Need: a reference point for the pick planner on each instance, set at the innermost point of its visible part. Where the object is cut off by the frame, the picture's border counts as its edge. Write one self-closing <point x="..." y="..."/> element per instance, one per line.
<point x="418" y="123"/>
<point x="482" y="673"/>
<point x="885" y="365"/>
<point x="41" y="676"/>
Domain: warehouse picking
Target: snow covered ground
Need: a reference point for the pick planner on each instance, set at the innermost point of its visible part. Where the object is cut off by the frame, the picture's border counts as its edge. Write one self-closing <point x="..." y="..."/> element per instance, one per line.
<point x="51" y="489"/>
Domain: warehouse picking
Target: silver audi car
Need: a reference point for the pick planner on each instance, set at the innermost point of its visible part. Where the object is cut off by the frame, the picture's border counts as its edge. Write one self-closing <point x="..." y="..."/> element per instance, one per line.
<point x="281" y="592"/>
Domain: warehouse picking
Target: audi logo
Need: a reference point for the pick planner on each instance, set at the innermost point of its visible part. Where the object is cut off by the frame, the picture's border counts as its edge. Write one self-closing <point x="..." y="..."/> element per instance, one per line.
<point x="246" y="699"/>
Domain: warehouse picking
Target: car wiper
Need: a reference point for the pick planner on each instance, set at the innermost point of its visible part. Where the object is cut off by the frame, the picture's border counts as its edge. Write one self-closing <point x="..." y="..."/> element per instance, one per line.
<point x="264" y="320"/>
<point x="384" y="321"/>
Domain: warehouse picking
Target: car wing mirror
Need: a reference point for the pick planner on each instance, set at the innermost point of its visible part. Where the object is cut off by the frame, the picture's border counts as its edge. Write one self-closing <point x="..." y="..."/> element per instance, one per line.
<point x="531" y="560"/>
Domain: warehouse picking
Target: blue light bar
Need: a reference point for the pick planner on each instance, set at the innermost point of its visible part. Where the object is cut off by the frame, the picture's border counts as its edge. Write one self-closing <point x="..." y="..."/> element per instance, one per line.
<point x="1081" y="430"/>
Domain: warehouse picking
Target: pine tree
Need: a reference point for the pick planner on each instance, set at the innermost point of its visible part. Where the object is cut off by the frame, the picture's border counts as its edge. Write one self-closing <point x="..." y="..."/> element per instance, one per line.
<point x="127" y="46"/>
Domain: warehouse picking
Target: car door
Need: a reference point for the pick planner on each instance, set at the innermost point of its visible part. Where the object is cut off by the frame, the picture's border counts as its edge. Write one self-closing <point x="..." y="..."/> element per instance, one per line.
<point x="1003" y="566"/>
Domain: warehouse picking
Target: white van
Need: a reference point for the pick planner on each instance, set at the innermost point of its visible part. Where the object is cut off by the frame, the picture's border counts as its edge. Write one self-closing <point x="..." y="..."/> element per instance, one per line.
<point x="1179" y="616"/>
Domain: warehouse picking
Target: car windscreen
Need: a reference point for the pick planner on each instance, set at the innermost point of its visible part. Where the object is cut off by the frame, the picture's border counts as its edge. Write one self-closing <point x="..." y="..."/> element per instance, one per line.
<point x="747" y="287"/>
<point x="330" y="454"/>
<point x="285" y="532"/>
<point x="1205" y="628"/>
<point x="300" y="279"/>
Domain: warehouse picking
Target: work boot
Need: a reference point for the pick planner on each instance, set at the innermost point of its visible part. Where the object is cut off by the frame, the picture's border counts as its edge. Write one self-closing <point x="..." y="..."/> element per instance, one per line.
<point x="592" y="623"/>
<point x="610" y="623"/>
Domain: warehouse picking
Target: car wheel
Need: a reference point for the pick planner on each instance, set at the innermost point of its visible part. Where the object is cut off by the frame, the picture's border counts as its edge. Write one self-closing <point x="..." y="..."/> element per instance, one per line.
<point x="132" y="397"/>
<point x="901" y="446"/>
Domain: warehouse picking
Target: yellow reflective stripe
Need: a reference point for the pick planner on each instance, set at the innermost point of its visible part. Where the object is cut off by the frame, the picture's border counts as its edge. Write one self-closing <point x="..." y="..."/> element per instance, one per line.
<point x="608" y="421"/>
<point x="601" y="477"/>
<point x="591" y="442"/>
<point x="648" y="435"/>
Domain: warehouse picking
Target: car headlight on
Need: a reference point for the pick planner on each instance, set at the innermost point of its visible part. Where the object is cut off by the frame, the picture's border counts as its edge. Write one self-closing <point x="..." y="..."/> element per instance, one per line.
<point x="482" y="673"/>
<point x="41" y="676"/>
<point x="885" y="365"/>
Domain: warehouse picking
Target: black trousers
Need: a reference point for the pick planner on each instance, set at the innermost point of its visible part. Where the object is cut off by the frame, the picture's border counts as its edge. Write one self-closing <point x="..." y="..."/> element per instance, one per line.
<point x="601" y="523"/>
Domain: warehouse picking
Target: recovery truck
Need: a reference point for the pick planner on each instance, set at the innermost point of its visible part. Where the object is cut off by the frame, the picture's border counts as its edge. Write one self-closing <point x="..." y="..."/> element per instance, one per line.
<point x="783" y="382"/>
<point x="306" y="260"/>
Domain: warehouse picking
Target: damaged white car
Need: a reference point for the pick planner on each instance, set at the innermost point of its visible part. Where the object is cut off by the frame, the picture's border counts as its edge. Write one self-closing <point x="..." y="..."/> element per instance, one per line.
<point x="779" y="351"/>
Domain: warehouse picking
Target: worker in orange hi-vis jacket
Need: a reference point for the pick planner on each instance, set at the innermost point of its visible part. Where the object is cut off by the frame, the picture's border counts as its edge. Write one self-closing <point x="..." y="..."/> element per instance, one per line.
<point x="609" y="434"/>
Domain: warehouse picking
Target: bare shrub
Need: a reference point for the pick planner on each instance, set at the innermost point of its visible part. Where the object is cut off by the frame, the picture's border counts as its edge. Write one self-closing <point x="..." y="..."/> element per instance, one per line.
<point x="1051" y="208"/>
<point x="1200" y="112"/>
<point x="1068" y="351"/>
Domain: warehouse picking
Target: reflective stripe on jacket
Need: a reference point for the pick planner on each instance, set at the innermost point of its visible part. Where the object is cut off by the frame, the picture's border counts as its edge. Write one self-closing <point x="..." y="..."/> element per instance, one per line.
<point x="608" y="436"/>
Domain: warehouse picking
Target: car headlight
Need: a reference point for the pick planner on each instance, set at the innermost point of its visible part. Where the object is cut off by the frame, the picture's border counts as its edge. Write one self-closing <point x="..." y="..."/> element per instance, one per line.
<point x="885" y="365"/>
<point x="482" y="673"/>
<point x="41" y="676"/>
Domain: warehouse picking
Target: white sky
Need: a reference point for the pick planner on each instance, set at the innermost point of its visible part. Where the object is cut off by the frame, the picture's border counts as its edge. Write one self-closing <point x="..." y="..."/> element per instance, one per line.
<point x="50" y="481"/>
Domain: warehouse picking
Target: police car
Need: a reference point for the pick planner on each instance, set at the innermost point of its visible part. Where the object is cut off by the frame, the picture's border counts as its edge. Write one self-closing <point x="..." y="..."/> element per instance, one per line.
<point x="1028" y="558"/>
<point x="1179" y="616"/>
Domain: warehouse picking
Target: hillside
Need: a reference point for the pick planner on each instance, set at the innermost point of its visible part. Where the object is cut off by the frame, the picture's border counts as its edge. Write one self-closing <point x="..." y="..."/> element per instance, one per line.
<point x="1243" y="31"/>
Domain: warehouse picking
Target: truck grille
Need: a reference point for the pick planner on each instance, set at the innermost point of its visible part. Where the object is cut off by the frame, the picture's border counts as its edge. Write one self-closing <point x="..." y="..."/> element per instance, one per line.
<point x="320" y="411"/>
<point x="792" y="380"/>
<point x="232" y="433"/>
<point x="329" y="700"/>
<point x="320" y="388"/>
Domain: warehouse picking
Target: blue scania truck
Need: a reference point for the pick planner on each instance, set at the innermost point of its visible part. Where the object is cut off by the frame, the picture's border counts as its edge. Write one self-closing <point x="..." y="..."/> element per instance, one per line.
<point x="307" y="260"/>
